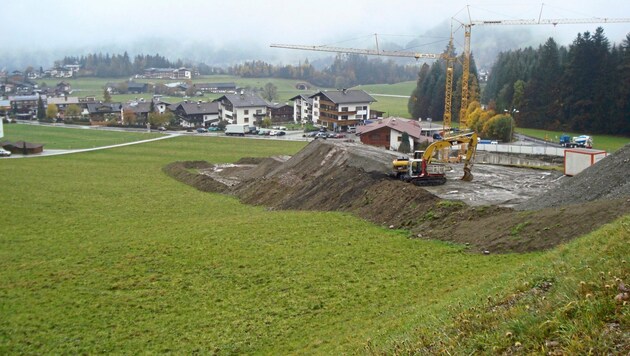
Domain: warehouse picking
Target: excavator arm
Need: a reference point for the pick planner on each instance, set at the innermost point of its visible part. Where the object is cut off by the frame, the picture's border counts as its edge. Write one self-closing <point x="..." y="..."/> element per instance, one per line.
<point x="471" y="140"/>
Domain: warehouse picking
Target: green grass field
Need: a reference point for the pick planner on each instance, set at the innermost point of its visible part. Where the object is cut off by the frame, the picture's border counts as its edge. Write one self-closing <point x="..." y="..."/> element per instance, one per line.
<point x="62" y="137"/>
<point x="101" y="252"/>
<point x="608" y="143"/>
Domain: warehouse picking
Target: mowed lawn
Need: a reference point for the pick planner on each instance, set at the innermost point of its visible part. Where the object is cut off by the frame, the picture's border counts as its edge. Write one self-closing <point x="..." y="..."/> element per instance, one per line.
<point x="101" y="252"/>
<point x="71" y="136"/>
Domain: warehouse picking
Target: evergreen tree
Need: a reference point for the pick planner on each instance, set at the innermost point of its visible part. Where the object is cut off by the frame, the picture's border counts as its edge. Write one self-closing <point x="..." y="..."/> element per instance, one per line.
<point x="107" y="98"/>
<point x="405" y="146"/>
<point x="41" y="109"/>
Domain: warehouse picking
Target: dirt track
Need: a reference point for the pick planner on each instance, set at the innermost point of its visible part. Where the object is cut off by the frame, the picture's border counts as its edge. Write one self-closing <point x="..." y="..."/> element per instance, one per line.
<point x="352" y="177"/>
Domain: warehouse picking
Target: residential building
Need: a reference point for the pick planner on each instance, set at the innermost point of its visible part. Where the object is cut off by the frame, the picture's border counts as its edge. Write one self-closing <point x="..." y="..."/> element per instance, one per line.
<point x="25" y="106"/>
<point x="280" y="112"/>
<point x="100" y="113"/>
<point x="195" y="114"/>
<point x="222" y="88"/>
<point x="302" y="109"/>
<point x="242" y="108"/>
<point x="63" y="102"/>
<point x="341" y="110"/>
<point x="168" y="73"/>
<point x="388" y="133"/>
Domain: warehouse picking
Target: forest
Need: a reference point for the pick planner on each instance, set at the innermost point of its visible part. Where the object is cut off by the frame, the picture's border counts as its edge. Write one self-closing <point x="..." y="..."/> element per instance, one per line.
<point x="582" y="88"/>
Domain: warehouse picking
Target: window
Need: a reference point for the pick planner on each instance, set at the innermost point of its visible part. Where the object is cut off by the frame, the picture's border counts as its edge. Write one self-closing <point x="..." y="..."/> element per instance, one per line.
<point x="246" y="120"/>
<point x="358" y="116"/>
<point x="399" y="138"/>
<point x="259" y="111"/>
<point x="344" y="108"/>
<point x="246" y="112"/>
<point x="344" y="117"/>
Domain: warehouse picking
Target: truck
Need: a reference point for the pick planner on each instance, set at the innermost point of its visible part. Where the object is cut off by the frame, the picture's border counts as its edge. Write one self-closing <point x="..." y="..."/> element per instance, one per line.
<point x="583" y="141"/>
<point x="236" y="129"/>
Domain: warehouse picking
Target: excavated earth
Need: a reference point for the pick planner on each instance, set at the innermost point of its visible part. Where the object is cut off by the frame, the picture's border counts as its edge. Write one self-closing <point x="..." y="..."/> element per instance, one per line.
<point x="504" y="209"/>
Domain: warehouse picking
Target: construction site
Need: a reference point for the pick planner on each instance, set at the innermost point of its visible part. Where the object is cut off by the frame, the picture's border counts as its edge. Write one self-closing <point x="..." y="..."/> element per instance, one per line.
<point x="502" y="210"/>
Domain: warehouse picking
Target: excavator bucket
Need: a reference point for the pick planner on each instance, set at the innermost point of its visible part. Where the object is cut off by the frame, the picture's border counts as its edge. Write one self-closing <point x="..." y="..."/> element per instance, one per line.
<point x="468" y="176"/>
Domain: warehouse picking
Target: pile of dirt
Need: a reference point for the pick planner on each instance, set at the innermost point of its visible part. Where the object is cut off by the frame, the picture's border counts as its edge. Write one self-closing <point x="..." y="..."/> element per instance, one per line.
<point x="350" y="177"/>
<point x="607" y="179"/>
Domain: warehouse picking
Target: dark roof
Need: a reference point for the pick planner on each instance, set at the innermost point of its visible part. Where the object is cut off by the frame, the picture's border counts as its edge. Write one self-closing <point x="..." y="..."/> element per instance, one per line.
<point x="197" y="108"/>
<point x="216" y="85"/>
<point x="279" y="105"/>
<point x="243" y="100"/>
<point x="134" y="85"/>
<point x="103" y="107"/>
<point x="139" y="108"/>
<point x="20" y="144"/>
<point x="346" y="96"/>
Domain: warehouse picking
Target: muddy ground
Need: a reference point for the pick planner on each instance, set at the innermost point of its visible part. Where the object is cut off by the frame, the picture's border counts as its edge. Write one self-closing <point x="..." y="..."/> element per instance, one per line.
<point x="351" y="177"/>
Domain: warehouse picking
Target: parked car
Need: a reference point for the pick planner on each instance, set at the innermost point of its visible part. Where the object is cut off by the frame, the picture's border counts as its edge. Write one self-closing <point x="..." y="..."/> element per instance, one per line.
<point x="213" y="128"/>
<point x="201" y="130"/>
<point x="323" y="135"/>
<point x="161" y="128"/>
<point x="4" y="153"/>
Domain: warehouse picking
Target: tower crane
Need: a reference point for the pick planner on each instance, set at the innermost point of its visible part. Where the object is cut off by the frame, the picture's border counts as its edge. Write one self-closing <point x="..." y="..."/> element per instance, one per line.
<point x="450" y="59"/>
<point x="540" y="21"/>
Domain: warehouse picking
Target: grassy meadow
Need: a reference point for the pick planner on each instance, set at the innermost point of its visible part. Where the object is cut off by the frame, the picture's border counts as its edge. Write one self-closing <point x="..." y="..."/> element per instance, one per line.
<point x="101" y="252"/>
<point x="62" y="137"/>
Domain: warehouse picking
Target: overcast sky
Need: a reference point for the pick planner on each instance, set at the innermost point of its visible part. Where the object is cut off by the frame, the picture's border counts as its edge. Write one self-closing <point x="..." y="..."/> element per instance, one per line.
<point x="47" y="24"/>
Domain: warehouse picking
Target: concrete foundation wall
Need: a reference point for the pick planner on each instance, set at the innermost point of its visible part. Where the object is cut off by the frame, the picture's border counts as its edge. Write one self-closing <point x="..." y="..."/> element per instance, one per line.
<point x="510" y="159"/>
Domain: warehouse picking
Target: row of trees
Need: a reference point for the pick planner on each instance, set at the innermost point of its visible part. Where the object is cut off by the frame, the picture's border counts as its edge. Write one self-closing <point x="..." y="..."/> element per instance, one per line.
<point x="121" y="65"/>
<point x="345" y="71"/>
<point x="583" y="88"/>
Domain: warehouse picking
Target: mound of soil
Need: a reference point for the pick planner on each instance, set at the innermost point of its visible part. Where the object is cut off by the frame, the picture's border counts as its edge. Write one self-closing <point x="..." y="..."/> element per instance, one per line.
<point x="607" y="179"/>
<point x="350" y="177"/>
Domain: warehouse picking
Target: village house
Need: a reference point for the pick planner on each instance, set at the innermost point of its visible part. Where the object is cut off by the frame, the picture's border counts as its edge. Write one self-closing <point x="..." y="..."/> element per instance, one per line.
<point x="168" y="73"/>
<point x="242" y="108"/>
<point x="222" y="88"/>
<point x="101" y="113"/>
<point x="62" y="103"/>
<point x="195" y="114"/>
<point x="280" y="112"/>
<point x="341" y="110"/>
<point x="387" y="133"/>
<point x="25" y="106"/>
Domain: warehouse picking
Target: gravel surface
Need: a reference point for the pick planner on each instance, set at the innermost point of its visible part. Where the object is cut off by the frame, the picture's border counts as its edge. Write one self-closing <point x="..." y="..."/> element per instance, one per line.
<point x="607" y="179"/>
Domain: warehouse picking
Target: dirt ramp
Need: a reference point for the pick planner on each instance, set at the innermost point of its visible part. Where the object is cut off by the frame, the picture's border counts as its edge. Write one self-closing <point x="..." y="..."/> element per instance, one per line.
<point x="323" y="176"/>
<point x="607" y="179"/>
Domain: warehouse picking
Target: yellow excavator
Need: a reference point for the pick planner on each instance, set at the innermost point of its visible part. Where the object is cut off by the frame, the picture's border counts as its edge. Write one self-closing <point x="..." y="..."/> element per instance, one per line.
<point x="421" y="170"/>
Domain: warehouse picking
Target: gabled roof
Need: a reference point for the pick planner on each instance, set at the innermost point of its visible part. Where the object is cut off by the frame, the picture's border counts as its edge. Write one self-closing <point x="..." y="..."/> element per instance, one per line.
<point x="279" y="105"/>
<point x="346" y="96"/>
<point x="103" y="107"/>
<point x="231" y="85"/>
<point x="243" y="100"/>
<point x="411" y="127"/>
<point x="134" y="85"/>
<point x="305" y="97"/>
<point x="197" y="108"/>
<point x="138" y="108"/>
<point x="63" y="100"/>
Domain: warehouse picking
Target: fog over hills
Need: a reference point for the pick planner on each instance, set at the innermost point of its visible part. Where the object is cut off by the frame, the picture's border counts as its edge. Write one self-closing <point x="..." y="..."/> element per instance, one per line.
<point x="222" y="33"/>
